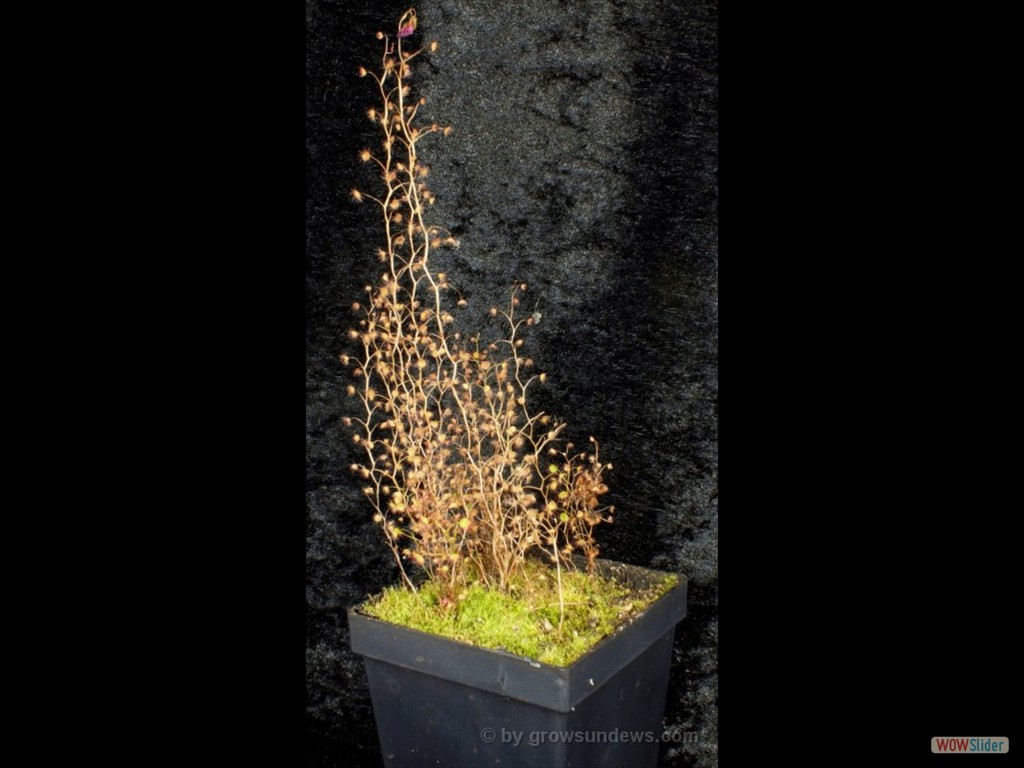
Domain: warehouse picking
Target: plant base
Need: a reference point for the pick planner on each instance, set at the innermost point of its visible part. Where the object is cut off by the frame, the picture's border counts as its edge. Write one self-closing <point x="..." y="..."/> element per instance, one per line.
<point x="438" y="702"/>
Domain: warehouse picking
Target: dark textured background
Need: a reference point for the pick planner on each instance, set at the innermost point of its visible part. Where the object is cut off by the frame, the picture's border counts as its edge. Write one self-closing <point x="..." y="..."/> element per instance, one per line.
<point x="584" y="162"/>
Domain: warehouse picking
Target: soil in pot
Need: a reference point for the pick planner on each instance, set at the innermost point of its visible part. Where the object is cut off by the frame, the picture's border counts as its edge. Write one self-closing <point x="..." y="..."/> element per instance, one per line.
<point x="533" y="620"/>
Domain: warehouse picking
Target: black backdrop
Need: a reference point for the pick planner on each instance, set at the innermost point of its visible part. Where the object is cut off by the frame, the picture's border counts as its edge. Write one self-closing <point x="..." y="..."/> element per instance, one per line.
<point x="584" y="161"/>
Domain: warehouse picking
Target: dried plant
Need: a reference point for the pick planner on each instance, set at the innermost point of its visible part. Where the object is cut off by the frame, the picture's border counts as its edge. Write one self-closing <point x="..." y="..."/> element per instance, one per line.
<point x="466" y="479"/>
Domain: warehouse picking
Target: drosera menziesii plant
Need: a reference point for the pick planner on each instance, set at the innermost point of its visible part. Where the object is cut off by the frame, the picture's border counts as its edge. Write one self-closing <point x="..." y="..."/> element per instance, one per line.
<point x="467" y="481"/>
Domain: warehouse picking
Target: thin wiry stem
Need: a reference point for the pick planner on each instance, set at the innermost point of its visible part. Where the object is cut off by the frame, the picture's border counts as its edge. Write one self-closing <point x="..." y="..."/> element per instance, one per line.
<point x="465" y="479"/>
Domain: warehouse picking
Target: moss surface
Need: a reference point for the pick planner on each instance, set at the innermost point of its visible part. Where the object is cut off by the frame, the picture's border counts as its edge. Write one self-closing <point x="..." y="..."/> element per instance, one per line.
<point x="526" y="622"/>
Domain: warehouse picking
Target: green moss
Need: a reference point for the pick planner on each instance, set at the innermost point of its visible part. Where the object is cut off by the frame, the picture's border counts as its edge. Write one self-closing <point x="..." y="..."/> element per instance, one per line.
<point x="526" y="621"/>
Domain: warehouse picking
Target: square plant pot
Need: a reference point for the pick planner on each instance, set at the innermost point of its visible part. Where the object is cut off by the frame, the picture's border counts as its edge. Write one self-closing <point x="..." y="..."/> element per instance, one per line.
<point x="441" y="702"/>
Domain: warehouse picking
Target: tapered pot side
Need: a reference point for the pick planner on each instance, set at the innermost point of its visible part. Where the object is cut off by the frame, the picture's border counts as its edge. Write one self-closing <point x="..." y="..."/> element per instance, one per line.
<point x="438" y="701"/>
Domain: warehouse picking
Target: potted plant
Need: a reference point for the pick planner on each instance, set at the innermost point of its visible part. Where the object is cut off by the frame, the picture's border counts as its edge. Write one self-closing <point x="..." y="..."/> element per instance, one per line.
<point x="508" y="641"/>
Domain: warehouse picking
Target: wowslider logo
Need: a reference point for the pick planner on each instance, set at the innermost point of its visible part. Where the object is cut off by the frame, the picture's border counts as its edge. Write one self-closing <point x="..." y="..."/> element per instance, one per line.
<point x="978" y="745"/>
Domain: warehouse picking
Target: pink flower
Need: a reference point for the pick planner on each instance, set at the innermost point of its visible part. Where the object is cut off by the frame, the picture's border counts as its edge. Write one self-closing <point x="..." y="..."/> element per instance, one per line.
<point x="407" y="24"/>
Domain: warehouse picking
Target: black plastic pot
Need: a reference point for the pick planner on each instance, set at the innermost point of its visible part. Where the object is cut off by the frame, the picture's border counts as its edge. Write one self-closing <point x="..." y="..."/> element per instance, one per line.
<point x="439" y="702"/>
